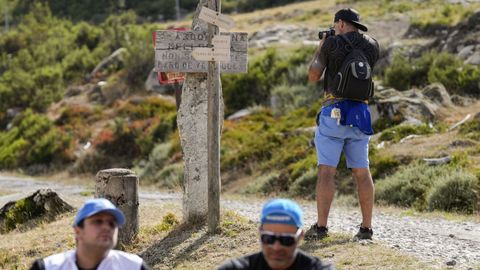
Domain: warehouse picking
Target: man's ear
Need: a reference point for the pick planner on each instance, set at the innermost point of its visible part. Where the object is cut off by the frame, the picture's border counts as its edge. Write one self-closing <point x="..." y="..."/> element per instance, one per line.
<point x="76" y="230"/>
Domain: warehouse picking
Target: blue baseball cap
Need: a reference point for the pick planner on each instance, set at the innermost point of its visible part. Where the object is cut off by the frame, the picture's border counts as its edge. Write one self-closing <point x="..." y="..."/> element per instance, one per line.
<point x="95" y="206"/>
<point x="282" y="211"/>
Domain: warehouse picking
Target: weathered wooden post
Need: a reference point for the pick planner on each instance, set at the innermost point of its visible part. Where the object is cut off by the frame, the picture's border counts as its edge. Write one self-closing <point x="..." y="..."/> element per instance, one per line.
<point x="213" y="126"/>
<point x="198" y="53"/>
<point x="120" y="186"/>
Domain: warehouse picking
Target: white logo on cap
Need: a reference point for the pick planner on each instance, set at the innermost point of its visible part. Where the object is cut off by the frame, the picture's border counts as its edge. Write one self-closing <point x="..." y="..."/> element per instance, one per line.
<point x="278" y="218"/>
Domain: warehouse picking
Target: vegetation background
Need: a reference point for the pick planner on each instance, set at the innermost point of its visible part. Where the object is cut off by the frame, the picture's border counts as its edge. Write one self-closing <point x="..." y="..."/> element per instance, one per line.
<point x="57" y="116"/>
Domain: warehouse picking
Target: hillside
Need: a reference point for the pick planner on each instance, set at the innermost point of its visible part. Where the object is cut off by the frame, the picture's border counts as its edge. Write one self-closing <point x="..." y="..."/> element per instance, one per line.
<point x="63" y="116"/>
<point x="61" y="111"/>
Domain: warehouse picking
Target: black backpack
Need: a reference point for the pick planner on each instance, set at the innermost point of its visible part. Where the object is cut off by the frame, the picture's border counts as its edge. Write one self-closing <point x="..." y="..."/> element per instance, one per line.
<point x="354" y="78"/>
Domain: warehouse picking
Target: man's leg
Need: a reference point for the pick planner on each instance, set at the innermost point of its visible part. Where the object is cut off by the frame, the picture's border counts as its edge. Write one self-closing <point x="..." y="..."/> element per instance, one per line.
<point x="366" y="194"/>
<point x="325" y="192"/>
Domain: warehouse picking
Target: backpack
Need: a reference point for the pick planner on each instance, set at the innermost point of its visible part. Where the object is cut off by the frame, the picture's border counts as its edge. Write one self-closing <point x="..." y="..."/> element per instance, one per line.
<point x="354" y="78"/>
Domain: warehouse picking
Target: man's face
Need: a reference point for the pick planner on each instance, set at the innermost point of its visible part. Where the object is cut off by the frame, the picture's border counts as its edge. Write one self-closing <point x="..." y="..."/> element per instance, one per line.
<point x="99" y="231"/>
<point x="278" y="256"/>
<point x="338" y="26"/>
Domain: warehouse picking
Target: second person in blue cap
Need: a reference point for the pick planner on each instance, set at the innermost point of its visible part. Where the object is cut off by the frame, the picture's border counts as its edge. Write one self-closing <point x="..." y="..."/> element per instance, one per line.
<point x="281" y="231"/>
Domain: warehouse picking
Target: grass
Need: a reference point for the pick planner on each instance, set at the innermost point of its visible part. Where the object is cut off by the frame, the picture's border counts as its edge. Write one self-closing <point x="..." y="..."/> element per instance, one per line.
<point x="344" y="253"/>
<point x="167" y="244"/>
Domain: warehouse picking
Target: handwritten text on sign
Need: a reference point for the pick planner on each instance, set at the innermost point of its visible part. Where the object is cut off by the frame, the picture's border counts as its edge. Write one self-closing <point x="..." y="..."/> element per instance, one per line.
<point x="173" y="52"/>
<point x="216" y="18"/>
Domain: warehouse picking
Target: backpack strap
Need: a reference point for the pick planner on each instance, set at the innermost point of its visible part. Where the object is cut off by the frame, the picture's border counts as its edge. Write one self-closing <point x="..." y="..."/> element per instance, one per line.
<point x="348" y="41"/>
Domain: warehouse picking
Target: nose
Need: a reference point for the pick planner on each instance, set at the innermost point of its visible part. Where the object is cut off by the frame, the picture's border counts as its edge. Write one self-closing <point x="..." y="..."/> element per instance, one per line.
<point x="276" y="245"/>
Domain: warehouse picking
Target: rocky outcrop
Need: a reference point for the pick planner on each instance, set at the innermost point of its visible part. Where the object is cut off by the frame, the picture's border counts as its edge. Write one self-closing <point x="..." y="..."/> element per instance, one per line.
<point x="414" y="106"/>
<point x="461" y="39"/>
<point x="43" y="204"/>
<point x="283" y="34"/>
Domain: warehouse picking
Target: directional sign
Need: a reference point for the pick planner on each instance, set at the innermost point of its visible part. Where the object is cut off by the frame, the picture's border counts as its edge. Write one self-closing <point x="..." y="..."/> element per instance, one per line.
<point x="216" y="18"/>
<point x="173" y="51"/>
<point x="220" y="41"/>
<point x="211" y="54"/>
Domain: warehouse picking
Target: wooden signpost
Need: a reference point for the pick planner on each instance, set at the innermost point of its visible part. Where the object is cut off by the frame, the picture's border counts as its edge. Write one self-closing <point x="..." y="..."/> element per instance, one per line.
<point x="173" y="51"/>
<point x="212" y="52"/>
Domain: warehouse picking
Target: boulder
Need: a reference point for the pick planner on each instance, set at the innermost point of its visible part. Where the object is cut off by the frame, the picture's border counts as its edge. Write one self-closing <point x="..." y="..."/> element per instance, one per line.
<point x="43" y="204"/>
<point x="413" y="106"/>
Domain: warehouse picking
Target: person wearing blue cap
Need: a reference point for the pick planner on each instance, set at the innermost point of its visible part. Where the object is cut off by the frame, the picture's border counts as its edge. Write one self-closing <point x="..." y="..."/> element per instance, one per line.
<point x="96" y="230"/>
<point x="281" y="223"/>
<point x="343" y="123"/>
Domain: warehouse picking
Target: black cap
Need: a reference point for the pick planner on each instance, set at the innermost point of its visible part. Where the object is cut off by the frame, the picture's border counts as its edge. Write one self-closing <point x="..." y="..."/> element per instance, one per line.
<point x="350" y="15"/>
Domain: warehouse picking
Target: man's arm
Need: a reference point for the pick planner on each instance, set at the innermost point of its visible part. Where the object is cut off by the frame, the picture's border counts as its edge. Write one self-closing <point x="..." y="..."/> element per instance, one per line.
<point x="316" y="67"/>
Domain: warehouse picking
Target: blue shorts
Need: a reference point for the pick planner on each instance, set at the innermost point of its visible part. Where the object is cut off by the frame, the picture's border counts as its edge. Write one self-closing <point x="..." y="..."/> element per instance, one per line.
<point x="332" y="139"/>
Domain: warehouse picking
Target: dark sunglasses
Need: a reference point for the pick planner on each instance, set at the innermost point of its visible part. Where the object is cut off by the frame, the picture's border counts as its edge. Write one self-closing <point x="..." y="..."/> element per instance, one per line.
<point x="285" y="239"/>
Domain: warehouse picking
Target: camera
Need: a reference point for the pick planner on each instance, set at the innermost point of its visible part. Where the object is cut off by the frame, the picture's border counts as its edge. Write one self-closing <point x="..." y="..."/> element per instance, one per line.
<point x="329" y="32"/>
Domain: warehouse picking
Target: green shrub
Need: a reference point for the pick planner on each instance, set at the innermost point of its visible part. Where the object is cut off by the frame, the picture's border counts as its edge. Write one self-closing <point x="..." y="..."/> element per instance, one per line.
<point x="139" y="59"/>
<point x="87" y="35"/>
<point x="273" y="182"/>
<point x="78" y="63"/>
<point x="156" y="161"/>
<point x="471" y="129"/>
<point x="23" y="211"/>
<point x="409" y="186"/>
<point x="170" y="176"/>
<point x="265" y="71"/>
<point x="11" y="155"/>
<point x="456" y="192"/>
<point x="432" y="67"/>
<point x="383" y="165"/>
<point x="398" y="74"/>
<point x="304" y="186"/>
<point x="33" y="140"/>
<point x="92" y="162"/>
<point x="430" y="188"/>
<point x="290" y="97"/>
<point x="396" y="133"/>
<point x="440" y="16"/>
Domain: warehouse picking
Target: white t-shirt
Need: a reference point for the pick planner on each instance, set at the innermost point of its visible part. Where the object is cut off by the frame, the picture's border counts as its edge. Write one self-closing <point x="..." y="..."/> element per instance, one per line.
<point x="115" y="260"/>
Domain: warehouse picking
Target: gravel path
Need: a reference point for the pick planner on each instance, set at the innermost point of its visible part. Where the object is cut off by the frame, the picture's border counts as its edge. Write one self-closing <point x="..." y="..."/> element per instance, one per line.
<point x="438" y="242"/>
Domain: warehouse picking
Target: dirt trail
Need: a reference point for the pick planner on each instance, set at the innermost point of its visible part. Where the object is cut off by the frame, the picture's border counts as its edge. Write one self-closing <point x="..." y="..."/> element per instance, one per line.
<point x="438" y="242"/>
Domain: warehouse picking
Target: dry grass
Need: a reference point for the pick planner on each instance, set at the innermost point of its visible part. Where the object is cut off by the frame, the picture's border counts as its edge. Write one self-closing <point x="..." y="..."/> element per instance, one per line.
<point x="191" y="247"/>
<point x="344" y="253"/>
<point x="18" y="249"/>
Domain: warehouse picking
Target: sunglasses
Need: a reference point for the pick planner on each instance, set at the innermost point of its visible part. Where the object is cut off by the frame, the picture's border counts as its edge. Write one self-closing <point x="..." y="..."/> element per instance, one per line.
<point x="285" y="239"/>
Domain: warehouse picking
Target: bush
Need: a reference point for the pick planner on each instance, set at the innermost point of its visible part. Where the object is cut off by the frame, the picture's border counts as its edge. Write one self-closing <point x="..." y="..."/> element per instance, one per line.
<point x="471" y="129"/>
<point x="383" y="165"/>
<point x="430" y="188"/>
<point x="305" y="185"/>
<point x="457" y="192"/>
<point x="171" y="176"/>
<point x="264" y="73"/>
<point x="433" y="67"/>
<point x="158" y="159"/>
<point x="94" y="161"/>
<point x="396" y="133"/>
<point x="398" y="74"/>
<point x="409" y="186"/>
<point x="286" y="98"/>
<point x="258" y="183"/>
<point x="33" y="140"/>
<point x="441" y="16"/>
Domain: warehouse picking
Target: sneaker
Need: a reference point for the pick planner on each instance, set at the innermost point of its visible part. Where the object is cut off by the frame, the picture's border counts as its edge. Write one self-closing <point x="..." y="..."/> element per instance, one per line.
<point x="316" y="232"/>
<point x="364" y="233"/>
